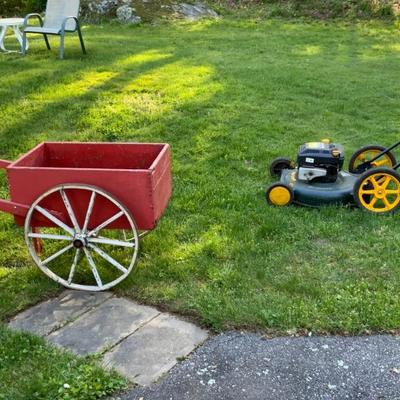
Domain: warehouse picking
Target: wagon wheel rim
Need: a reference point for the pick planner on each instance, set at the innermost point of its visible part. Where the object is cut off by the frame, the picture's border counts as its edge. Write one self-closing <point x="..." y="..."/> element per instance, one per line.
<point x="82" y="242"/>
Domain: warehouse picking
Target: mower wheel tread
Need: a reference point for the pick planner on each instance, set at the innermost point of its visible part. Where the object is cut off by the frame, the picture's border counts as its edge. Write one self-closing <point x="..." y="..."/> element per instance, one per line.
<point x="278" y="165"/>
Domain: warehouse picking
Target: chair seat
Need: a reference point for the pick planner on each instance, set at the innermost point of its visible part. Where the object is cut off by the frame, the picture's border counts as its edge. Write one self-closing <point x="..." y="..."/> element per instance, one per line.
<point x="39" y="29"/>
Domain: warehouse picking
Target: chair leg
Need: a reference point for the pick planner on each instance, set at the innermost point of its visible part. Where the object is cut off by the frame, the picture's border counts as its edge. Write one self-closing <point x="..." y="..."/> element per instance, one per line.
<point x="47" y="41"/>
<point x="81" y="39"/>
<point x="3" y="30"/>
<point x="23" y="43"/>
<point x="62" y="36"/>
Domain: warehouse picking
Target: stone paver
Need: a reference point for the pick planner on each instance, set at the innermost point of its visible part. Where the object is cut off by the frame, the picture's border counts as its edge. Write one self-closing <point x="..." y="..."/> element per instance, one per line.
<point x="103" y="327"/>
<point x="154" y="349"/>
<point x="139" y="341"/>
<point x="45" y="317"/>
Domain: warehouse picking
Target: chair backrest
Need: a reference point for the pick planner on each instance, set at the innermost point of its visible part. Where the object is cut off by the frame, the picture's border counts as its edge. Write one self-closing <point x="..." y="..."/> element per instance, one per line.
<point x="57" y="10"/>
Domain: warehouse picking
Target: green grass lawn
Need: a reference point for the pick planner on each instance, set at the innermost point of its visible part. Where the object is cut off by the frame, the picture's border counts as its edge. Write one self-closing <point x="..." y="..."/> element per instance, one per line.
<point x="229" y="96"/>
<point x="29" y="369"/>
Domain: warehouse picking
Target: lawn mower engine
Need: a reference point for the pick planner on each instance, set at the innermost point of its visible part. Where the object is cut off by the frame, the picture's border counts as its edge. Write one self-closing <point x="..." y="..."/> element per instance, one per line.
<point x="319" y="161"/>
<point x="315" y="179"/>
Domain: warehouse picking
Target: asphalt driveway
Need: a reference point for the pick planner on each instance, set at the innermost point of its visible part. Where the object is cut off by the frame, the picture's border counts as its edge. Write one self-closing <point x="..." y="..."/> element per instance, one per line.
<point x="247" y="366"/>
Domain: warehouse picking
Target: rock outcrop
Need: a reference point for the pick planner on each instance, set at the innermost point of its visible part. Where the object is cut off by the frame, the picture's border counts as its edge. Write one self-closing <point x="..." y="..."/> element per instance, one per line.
<point x="135" y="11"/>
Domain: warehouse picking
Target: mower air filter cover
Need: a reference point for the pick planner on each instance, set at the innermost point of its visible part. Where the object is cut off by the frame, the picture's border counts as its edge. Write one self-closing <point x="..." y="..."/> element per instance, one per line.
<point x="320" y="154"/>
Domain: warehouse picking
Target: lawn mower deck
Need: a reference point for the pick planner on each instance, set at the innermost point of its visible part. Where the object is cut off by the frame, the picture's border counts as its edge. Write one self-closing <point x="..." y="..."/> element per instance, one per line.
<point x="315" y="194"/>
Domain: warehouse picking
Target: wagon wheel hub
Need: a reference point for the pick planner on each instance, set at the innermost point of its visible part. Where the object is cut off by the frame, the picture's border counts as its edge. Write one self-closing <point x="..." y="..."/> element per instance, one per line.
<point x="80" y="242"/>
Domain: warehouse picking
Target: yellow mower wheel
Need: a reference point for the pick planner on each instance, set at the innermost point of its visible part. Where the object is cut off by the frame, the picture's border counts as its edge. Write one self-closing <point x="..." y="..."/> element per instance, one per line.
<point x="279" y="194"/>
<point x="367" y="153"/>
<point x="378" y="190"/>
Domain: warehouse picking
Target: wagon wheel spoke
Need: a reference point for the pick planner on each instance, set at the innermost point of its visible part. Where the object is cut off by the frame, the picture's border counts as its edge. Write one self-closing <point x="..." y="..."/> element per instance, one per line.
<point x="129" y="239"/>
<point x="89" y="211"/>
<point x="55" y="220"/>
<point x="93" y="268"/>
<point x="49" y="236"/>
<point x="57" y="254"/>
<point x="69" y="209"/>
<point x="108" y="258"/>
<point x="105" y="223"/>
<point x="112" y="242"/>
<point x="73" y="266"/>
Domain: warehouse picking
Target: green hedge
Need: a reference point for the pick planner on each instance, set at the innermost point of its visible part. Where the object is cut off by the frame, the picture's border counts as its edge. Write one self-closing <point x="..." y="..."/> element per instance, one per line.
<point x="12" y="8"/>
<point x="318" y="8"/>
<point x="340" y="8"/>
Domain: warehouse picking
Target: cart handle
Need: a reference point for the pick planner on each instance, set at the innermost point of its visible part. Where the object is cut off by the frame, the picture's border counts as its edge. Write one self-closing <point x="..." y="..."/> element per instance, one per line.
<point x="11" y="207"/>
<point x="20" y="210"/>
<point x="17" y="209"/>
<point x="4" y="163"/>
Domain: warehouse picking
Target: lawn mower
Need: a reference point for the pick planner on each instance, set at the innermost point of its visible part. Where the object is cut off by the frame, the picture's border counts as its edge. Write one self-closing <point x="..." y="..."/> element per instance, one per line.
<point x="317" y="178"/>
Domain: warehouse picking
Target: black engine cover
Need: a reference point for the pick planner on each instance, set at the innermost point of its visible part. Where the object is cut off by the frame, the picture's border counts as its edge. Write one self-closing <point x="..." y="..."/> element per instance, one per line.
<point x="329" y="156"/>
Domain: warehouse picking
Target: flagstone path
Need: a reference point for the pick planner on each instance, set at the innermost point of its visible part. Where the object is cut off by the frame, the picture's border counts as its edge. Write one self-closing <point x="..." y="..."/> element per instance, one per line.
<point x="140" y="342"/>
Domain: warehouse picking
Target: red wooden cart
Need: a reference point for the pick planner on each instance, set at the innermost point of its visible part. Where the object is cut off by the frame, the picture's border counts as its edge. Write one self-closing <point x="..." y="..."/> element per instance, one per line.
<point x="84" y="207"/>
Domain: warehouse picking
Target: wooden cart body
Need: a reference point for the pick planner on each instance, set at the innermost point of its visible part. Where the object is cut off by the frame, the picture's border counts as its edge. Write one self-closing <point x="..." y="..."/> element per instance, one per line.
<point x="137" y="174"/>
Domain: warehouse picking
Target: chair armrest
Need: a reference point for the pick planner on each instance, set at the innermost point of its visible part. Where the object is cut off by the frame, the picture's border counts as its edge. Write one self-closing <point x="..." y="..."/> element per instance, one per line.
<point x="34" y="15"/>
<point x="64" y="23"/>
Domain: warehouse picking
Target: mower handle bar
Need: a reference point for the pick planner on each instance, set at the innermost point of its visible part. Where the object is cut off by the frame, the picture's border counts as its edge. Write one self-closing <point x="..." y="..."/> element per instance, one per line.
<point x="383" y="153"/>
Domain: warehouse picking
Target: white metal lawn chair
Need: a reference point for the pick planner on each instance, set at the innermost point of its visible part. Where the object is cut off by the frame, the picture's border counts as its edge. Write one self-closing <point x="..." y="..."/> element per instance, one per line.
<point x="61" y="17"/>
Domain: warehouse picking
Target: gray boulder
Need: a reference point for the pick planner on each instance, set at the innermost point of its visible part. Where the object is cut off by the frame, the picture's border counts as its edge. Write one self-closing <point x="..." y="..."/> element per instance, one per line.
<point x="194" y="11"/>
<point x="134" y="11"/>
<point x="126" y="13"/>
<point x="99" y="7"/>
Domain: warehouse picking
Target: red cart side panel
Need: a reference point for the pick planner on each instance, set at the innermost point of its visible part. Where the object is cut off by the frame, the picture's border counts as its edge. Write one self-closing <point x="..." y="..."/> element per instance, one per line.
<point x="130" y="177"/>
<point x="162" y="183"/>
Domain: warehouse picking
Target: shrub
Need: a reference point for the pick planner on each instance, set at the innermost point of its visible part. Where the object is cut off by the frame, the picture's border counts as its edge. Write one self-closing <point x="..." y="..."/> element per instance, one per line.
<point x="11" y="8"/>
<point x="342" y="8"/>
<point x="321" y="8"/>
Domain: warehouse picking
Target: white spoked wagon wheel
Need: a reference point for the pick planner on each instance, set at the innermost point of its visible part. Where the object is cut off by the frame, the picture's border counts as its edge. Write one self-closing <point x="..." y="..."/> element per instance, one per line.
<point x="86" y="250"/>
